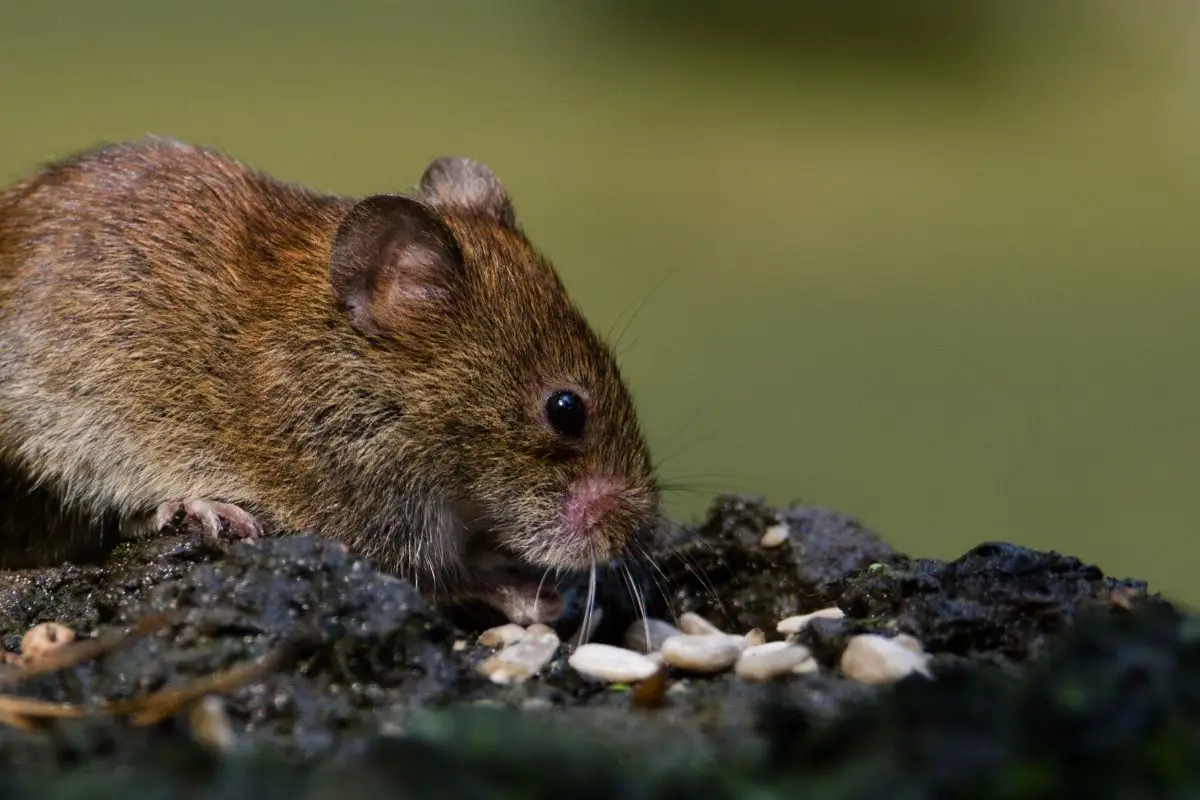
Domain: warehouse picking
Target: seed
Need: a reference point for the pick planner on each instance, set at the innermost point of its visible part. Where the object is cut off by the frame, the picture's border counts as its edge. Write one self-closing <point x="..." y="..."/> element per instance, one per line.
<point x="502" y="636"/>
<point x="714" y="652"/>
<point x="44" y="638"/>
<point x="522" y="660"/>
<point x="873" y="659"/>
<point x="755" y="637"/>
<point x="612" y="664"/>
<point x="800" y="622"/>
<point x="774" y="536"/>
<point x="695" y="625"/>
<point x="766" y="661"/>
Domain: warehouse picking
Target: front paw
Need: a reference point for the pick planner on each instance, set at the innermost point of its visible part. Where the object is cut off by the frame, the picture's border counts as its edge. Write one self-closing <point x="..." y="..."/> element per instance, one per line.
<point x="213" y="517"/>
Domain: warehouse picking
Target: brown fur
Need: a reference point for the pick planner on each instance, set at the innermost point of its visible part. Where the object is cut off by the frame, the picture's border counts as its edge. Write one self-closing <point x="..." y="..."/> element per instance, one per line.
<point x="168" y="330"/>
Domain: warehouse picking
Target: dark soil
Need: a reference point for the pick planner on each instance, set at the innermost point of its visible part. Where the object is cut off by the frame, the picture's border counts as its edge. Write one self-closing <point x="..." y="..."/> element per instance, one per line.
<point x="1049" y="678"/>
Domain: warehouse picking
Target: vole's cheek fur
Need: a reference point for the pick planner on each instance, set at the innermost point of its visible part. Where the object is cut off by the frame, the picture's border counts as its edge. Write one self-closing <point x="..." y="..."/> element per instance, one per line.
<point x="182" y="336"/>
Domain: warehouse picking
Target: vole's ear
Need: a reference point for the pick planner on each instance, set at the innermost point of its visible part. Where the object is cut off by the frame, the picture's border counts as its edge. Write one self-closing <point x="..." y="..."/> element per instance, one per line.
<point x="392" y="256"/>
<point x="466" y="187"/>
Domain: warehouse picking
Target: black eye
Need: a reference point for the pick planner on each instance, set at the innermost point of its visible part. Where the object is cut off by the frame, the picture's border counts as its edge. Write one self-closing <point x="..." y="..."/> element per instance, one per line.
<point x="566" y="413"/>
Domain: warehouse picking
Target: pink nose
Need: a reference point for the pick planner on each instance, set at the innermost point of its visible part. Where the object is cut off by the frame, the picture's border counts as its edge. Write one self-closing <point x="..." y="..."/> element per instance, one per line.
<point x="588" y="501"/>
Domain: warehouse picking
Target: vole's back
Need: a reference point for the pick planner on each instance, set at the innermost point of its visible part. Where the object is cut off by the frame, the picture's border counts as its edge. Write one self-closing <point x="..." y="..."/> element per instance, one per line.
<point x="139" y="286"/>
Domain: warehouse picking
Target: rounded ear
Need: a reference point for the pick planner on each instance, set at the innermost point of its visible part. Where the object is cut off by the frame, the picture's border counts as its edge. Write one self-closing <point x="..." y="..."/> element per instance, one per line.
<point x="466" y="187"/>
<point x="392" y="256"/>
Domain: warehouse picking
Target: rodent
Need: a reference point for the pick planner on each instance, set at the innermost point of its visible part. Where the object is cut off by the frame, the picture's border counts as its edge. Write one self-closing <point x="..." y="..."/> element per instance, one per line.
<point x="182" y="334"/>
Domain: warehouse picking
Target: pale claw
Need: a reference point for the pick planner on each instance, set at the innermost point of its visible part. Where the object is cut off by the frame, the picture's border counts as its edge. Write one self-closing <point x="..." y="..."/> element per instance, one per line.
<point x="211" y="517"/>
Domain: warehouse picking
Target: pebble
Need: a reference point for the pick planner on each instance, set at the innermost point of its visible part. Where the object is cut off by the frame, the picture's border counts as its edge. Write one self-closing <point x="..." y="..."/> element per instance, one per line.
<point x="755" y="637"/>
<point x="660" y="631"/>
<point x="521" y="660"/>
<point x="766" y="661"/>
<point x="873" y="659"/>
<point x="693" y="624"/>
<point x="713" y="652"/>
<point x="613" y="664"/>
<point x="800" y="622"/>
<point x="774" y="536"/>
<point x="45" y="638"/>
<point x="502" y="636"/>
<point x="539" y="629"/>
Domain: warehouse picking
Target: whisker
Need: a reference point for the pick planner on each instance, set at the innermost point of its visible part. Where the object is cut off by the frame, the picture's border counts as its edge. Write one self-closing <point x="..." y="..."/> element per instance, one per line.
<point x="537" y="597"/>
<point x="694" y="568"/>
<point x="586" y="633"/>
<point x="658" y="584"/>
<point x="674" y="445"/>
<point x="697" y="482"/>
<point x="638" y="310"/>
<point x="636" y="594"/>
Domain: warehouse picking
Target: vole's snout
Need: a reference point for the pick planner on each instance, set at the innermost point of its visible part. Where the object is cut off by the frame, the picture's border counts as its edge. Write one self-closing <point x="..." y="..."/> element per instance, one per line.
<point x="600" y="514"/>
<point x="588" y="502"/>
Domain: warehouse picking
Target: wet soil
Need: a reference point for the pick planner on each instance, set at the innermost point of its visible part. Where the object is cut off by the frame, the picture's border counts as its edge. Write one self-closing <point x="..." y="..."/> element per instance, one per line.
<point x="1049" y="677"/>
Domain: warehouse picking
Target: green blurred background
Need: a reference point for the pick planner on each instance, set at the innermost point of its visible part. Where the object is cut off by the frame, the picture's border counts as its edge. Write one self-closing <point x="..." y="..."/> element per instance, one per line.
<point x="931" y="263"/>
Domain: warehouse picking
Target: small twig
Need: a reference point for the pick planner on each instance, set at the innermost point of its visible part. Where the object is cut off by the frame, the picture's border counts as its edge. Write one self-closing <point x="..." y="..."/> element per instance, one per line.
<point x="26" y="708"/>
<point x="78" y="652"/>
<point x="16" y="721"/>
<point x="152" y="708"/>
<point x="147" y="709"/>
<point x="20" y="712"/>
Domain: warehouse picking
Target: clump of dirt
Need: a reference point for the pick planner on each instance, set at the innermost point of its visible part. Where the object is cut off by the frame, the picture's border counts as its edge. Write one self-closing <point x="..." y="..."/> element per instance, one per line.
<point x="380" y="688"/>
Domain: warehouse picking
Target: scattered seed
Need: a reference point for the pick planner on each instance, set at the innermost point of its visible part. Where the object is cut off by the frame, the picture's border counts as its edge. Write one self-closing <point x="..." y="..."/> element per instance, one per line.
<point x="502" y="636"/>
<point x="874" y="659"/>
<point x="713" y="652"/>
<point x="86" y="649"/>
<point x="613" y="664"/>
<point x="521" y="660"/>
<point x="660" y="631"/>
<point x="755" y="637"/>
<point x="459" y="645"/>
<point x="45" y="638"/>
<point x="210" y="724"/>
<point x="693" y="624"/>
<point x="807" y="666"/>
<point x="540" y="629"/>
<point x="909" y="643"/>
<point x="774" y="536"/>
<point x="1124" y="597"/>
<point x="800" y="622"/>
<point x="766" y="661"/>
